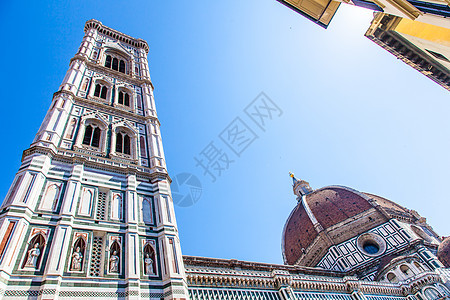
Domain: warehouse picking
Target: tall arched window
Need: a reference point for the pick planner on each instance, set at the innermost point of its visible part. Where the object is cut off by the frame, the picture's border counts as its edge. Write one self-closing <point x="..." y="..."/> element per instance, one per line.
<point x="115" y="64"/>
<point x="124" y="98"/>
<point x="123" y="143"/>
<point x="104" y="92"/>
<point x="100" y="91"/>
<point x="92" y="135"/>
<point x="122" y="66"/>
<point x="108" y="61"/>
<point x="98" y="88"/>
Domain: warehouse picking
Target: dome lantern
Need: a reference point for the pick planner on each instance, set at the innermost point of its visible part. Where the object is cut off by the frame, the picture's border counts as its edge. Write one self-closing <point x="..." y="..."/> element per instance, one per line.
<point x="300" y="187"/>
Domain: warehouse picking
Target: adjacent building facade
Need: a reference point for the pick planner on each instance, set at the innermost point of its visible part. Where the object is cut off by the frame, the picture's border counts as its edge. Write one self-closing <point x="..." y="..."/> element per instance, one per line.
<point x="89" y="214"/>
<point x="435" y="12"/>
<point x="417" y="32"/>
<point x="423" y="46"/>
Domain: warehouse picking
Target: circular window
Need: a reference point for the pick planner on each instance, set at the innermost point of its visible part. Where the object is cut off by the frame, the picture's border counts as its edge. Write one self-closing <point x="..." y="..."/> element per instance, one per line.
<point x="370" y="247"/>
<point x="371" y="244"/>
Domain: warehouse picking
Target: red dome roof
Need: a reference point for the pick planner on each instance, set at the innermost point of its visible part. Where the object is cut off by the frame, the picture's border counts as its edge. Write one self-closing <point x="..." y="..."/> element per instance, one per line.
<point x="443" y="252"/>
<point x="330" y="206"/>
<point x="299" y="233"/>
<point x="333" y="205"/>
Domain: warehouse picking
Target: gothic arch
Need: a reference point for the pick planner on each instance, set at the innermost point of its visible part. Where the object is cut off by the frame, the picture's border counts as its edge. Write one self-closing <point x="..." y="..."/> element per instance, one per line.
<point x="37" y="241"/>
<point x="101" y="88"/>
<point x="116" y="58"/>
<point x="78" y="246"/>
<point x="51" y="196"/>
<point x="93" y="121"/>
<point x="150" y="252"/>
<point x="119" y="141"/>
<point x="431" y="293"/>
<point x="114" y="250"/>
<point x="121" y="97"/>
<point x="146" y="210"/>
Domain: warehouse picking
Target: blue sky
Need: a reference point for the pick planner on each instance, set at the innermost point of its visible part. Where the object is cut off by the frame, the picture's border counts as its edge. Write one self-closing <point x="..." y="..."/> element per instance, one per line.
<point x="353" y="114"/>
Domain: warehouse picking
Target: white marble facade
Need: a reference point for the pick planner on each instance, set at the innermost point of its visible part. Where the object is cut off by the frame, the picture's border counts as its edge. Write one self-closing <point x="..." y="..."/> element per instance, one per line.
<point x="86" y="215"/>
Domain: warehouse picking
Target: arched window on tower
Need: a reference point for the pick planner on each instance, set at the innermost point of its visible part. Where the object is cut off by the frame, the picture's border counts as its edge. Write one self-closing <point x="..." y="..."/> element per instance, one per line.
<point x="92" y="136"/>
<point x="108" y="61"/>
<point x="101" y="91"/>
<point x="104" y="92"/>
<point x="123" y="143"/>
<point x="122" y="66"/>
<point x="115" y="64"/>
<point x="124" y="98"/>
<point x="120" y="100"/>
<point x="98" y="88"/>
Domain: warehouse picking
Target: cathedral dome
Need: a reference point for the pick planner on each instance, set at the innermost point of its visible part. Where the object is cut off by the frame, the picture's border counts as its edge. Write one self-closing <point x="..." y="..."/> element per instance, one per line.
<point x="443" y="253"/>
<point x="334" y="214"/>
<point x="326" y="207"/>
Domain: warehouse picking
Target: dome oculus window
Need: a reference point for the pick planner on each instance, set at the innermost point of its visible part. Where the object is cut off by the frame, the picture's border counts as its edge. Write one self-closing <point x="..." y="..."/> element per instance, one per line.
<point x="371" y="244"/>
<point x="371" y="248"/>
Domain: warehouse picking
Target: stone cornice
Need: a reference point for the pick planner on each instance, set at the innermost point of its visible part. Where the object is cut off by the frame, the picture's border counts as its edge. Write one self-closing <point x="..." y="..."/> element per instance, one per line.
<point x="111" y="73"/>
<point x="138" y="43"/>
<point x="108" y="108"/>
<point x="202" y="271"/>
<point x="101" y="163"/>
<point x="192" y="261"/>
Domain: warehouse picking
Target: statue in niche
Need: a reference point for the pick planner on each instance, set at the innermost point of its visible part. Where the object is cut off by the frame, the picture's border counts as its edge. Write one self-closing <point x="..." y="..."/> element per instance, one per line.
<point x="77" y="258"/>
<point x="148" y="264"/>
<point x="33" y="255"/>
<point x="114" y="263"/>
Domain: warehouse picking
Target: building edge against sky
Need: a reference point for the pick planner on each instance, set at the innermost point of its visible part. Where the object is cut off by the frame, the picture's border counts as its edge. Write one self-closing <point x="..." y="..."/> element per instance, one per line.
<point x="434" y="12"/>
<point x="90" y="215"/>
<point x="417" y="32"/>
<point x="423" y="46"/>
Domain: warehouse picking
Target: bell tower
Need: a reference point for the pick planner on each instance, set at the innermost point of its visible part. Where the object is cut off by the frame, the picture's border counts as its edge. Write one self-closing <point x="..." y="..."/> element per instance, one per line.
<point x="89" y="213"/>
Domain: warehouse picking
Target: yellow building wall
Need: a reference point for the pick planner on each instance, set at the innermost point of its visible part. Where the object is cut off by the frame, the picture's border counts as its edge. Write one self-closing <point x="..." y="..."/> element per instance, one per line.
<point x="424" y="31"/>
